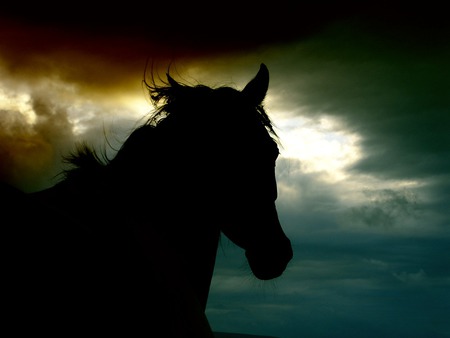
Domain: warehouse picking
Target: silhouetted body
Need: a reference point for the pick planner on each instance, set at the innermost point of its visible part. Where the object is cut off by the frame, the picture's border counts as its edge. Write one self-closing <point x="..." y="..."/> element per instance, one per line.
<point x="130" y="244"/>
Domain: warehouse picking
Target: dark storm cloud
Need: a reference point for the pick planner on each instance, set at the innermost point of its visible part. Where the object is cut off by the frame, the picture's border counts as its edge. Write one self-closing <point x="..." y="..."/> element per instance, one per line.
<point x="94" y="62"/>
<point x="388" y="84"/>
<point x="193" y="27"/>
<point x="386" y="208"/>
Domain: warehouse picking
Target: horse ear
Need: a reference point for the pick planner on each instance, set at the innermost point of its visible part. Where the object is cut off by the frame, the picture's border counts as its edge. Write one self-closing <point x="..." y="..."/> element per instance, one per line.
<point x="255" y="91"/>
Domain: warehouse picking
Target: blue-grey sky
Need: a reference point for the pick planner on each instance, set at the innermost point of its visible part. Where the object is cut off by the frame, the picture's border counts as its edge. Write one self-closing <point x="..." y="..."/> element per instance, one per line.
<point x="361" y="103"/>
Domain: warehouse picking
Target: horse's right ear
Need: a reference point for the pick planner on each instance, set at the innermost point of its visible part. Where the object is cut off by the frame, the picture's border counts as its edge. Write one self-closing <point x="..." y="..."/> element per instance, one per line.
<point x="255" y="91"/>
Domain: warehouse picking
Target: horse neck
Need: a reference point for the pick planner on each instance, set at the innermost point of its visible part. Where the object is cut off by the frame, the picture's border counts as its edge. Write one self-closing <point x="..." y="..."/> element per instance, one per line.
<point x="165" y="224"/>
<point x="173" y="230"/>
<point x="185" y="256"/>
<point x="71" y="198"/>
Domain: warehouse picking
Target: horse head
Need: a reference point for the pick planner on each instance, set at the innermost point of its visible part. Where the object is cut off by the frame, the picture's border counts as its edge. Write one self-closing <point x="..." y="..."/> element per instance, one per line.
<point x="233" y="132"/>
<point x="254" y="224"/>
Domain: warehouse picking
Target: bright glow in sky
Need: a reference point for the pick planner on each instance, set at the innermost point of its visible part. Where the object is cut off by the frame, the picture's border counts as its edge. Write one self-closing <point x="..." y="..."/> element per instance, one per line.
<point x="321" y="146"/>
<point x="18" y="102"/>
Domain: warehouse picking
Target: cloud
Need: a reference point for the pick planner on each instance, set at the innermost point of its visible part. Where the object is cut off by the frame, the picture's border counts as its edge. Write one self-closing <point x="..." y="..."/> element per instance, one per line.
<point x="387" y="86"/>
<point x="386" y="208"/>
<point x="43" y="116"/>
<point x="31" y="135"/>
<point x="412" y="277"/>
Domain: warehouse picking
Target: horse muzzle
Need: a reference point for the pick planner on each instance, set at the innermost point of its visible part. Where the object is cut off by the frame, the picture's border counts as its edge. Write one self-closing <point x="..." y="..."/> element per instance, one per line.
<point x="270" y="262"/>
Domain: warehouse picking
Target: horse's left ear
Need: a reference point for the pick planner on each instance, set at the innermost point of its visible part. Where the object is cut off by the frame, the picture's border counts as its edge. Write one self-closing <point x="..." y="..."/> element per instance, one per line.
<point x="255" y="91"/>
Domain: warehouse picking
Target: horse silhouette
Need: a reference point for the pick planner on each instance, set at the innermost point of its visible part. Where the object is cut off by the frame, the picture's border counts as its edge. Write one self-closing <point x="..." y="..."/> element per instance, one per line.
<point x="129" y="244"/>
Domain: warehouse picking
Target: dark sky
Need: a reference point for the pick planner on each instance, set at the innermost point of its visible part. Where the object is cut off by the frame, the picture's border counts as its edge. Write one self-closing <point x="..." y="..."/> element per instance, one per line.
<point x="361" y="100"/>
<point x="186" y="26"/>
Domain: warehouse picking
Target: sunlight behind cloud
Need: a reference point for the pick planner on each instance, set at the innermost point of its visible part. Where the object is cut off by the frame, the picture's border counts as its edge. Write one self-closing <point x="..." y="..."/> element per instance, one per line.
<point x="320" y="145"/>
<point x="17" y="102"/>
<point x="86" y="113"/>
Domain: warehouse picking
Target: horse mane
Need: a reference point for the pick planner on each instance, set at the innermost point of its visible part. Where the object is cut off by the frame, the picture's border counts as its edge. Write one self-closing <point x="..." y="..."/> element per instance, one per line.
<point x="168" y="99"/>
<point x="83" y="160"/>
